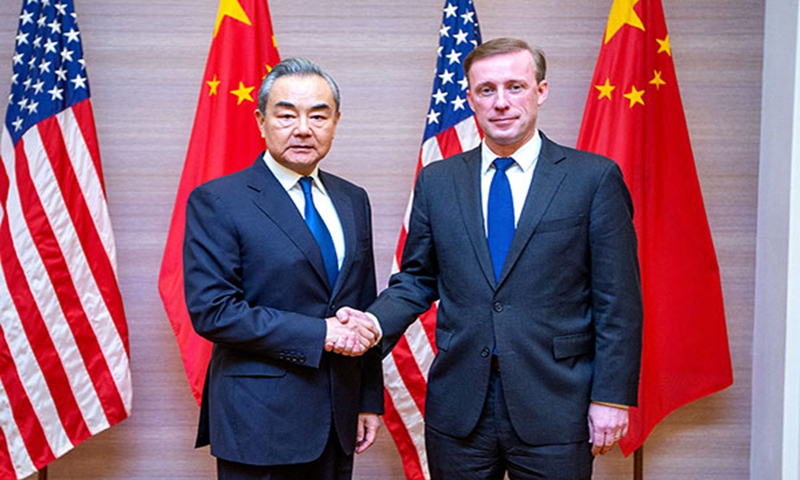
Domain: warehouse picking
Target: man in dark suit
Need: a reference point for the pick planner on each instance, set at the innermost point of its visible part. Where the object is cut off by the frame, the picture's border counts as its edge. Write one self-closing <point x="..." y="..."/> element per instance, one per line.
<point x="270" y="254"/>
<point x="530" y="249"/>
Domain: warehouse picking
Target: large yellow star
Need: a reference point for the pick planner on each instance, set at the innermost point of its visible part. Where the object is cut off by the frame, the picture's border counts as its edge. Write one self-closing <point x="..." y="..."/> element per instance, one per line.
<point x="213" y="84"/>
<point x="657" y="80"/>
<point x="233" y="9"/>
<point x="635" y="96"/>
<point x="243" y="93"/>
<point x="605" y="90"/>
<point x="622" y="14"/>
<point x="663" y="46"/>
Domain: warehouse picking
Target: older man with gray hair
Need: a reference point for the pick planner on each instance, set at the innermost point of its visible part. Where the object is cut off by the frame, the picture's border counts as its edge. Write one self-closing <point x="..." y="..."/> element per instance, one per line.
<point x="270" y="254"/>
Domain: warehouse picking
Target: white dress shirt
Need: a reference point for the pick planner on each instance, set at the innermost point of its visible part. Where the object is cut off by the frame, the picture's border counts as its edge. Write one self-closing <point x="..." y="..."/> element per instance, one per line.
<point x="520" y="175"/>
<point x="289" y="179"/>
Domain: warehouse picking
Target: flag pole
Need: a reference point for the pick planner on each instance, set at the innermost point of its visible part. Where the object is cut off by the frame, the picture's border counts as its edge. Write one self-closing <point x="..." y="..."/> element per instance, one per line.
<point x="638" y="464"/>
<point x="43" y="473"/>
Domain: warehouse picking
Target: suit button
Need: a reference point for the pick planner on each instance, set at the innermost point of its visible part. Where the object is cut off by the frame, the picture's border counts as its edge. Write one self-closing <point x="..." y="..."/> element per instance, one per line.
<point x="485" y="352"/>
<point x="498" y="307"/>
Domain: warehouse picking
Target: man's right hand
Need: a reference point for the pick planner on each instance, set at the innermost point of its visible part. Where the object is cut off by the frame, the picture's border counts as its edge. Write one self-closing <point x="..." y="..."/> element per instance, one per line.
<point x="350" y="333"/>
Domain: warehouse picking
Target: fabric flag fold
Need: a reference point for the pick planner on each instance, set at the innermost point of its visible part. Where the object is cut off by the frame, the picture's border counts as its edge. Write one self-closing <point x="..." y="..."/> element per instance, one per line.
<point x="224" y="139"/>
<point x="450" y="129"/>
<point x="64" y="351"/>
<point x="635" y="116"/>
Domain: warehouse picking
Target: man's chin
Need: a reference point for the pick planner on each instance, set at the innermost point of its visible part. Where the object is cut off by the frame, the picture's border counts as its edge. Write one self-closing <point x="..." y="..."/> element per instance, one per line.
<point x="302" y="164"/>
<point x="503" y="140"/>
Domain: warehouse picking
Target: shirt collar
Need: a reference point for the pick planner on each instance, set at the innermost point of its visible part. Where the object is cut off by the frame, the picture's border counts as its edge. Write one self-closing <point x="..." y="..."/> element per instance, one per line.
<point x="287" y="177"/>
<point x="525" y="156"/>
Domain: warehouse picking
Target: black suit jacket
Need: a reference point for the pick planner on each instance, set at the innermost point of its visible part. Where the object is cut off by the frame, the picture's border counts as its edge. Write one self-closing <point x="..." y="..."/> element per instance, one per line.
<point x="256" y="287"/>
<point x="565" y="316"/>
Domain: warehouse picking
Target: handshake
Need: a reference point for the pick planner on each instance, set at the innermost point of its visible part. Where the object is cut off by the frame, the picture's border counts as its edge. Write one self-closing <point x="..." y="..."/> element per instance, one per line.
<point x="351" y="332"/>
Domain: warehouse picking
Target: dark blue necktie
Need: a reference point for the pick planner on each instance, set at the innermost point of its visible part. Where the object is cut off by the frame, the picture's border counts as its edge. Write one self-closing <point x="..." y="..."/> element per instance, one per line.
<point x="320" y="232"/>
<point x="500" y="222"/>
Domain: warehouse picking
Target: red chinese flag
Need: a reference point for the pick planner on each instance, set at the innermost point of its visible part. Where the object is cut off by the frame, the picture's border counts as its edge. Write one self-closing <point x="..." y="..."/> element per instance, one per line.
<point x="635" y="116"/>
<point x="225" y="138"/>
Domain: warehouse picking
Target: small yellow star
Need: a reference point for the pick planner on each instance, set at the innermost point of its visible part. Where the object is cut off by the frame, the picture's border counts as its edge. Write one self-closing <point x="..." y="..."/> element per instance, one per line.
<point x="605" y="90"/>
<point x="635" y="96"/>
<point x="657" y="80"/>
<point x="213" y="84"/>
<point x="622" y="13"/>
<point x="233" y="9"/>
<point x="243" y="93"/>
<point x="268" y="69"/>
<point x="663" y="45"/>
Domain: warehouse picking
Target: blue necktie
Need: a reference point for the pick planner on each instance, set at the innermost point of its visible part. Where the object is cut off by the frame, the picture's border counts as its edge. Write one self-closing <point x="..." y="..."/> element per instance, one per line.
<point x="500" y="222"/>
<point x="320" y="232"/>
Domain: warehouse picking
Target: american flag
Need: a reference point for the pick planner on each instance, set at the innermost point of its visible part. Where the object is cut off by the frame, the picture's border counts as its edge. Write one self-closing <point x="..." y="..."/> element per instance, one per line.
<point x="450" y="129"/>
<point x="64" y="353"/>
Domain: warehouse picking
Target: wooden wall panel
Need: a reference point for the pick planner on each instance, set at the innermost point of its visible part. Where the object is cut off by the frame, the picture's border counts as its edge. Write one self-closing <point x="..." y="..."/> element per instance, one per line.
<point x="145" y="62"/>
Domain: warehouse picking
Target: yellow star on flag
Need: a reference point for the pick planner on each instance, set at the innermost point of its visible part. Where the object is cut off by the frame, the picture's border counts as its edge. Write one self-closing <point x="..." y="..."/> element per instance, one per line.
<point x="213" y="84"/>
<point x="243" y="93"/>
<point x="622" y="13"/>
<point x="605" y="90"/>
<point x="663" y="46"/>
<point x="233" y="9"/>
<point x="268" y="69"/>
<point x="635" y="96"/>
<point x="657" y="80"/>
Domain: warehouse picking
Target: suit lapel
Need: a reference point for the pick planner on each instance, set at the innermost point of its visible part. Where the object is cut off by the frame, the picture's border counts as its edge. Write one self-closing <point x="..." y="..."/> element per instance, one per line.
<point x="270" y="197"/>
<point x="344" y="208"/>
<point x="467" y="184"/>
<point x="546" y="179"/>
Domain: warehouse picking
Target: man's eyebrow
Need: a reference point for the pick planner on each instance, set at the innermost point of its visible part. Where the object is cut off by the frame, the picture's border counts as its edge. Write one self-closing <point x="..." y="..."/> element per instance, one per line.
<point x="318" y="106"/>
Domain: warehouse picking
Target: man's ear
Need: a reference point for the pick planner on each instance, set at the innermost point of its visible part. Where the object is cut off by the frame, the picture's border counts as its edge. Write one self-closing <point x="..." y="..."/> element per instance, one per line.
<point x="260" y="121"/>
<point x="544" y="89"/>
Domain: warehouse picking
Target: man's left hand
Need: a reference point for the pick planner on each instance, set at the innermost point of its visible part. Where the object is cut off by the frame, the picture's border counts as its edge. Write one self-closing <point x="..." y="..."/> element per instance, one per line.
<point x="607" y="426"/>
<point x="368" y="424"/>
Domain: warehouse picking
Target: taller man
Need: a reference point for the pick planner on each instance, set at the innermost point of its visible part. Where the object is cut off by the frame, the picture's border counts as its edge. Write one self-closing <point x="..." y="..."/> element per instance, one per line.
<point x="530" y="249"/>
<point x="270" y="253"/>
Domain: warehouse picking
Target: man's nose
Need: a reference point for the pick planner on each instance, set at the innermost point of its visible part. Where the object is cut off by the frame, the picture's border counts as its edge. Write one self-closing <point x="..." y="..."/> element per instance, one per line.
<point x="301" y="128"/>
<point x="501" y="100"/>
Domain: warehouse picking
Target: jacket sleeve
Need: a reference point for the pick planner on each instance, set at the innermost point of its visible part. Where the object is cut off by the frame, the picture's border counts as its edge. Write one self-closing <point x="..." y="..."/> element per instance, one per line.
<point x="616" y="292"/>
<point x="413" y="289"/>
<point x="215" y="297"/>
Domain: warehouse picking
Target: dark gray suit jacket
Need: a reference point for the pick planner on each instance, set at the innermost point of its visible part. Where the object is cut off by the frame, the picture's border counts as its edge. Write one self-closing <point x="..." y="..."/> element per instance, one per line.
<point x="565" y="316"/>
<point x="256" y="287"/>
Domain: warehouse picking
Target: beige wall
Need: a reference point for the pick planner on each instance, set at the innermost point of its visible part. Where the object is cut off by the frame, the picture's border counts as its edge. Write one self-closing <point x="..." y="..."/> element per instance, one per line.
<point x="145" y="60"/>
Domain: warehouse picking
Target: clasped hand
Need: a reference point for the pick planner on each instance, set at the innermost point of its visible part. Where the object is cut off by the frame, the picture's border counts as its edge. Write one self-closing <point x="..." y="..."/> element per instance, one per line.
<point x="350" y="333"/>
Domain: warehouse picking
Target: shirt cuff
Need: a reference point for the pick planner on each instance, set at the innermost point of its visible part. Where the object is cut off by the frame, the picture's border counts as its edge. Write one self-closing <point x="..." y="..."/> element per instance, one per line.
<point x="377" y="325"/>
<point x="615" y="405"/>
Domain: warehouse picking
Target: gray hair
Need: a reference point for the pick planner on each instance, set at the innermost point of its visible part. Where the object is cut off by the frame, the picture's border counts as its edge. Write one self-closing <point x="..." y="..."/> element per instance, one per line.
<point x="294" y="67"/>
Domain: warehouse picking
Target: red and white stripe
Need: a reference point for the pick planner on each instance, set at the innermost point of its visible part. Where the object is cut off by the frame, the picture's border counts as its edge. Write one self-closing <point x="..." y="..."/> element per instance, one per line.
<point x="64" y="353"/>
<point x="405" y="370"/>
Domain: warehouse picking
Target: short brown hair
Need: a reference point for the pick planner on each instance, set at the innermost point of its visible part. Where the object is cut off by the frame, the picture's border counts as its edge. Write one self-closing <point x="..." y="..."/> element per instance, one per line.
<point x="500" y="46"/>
